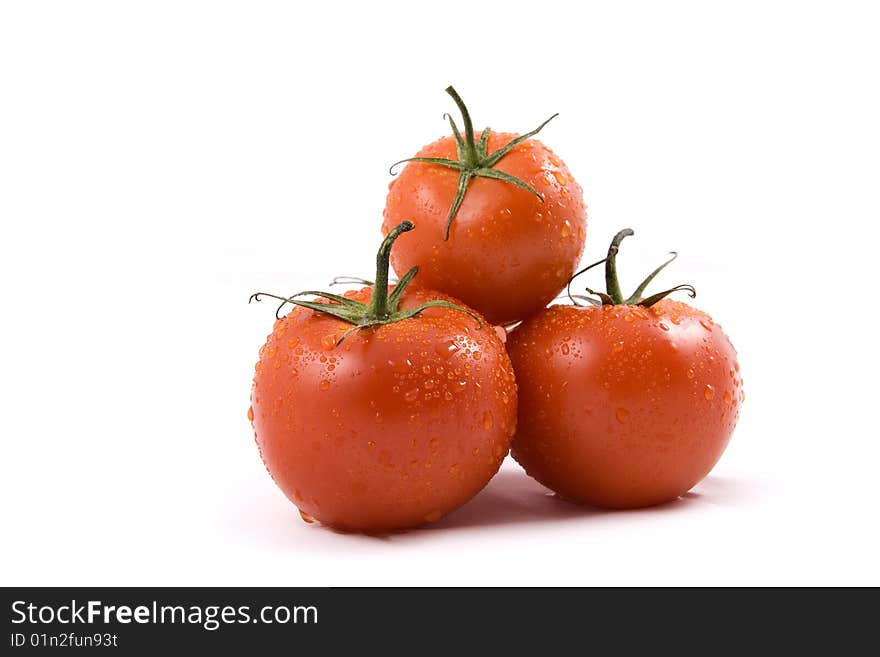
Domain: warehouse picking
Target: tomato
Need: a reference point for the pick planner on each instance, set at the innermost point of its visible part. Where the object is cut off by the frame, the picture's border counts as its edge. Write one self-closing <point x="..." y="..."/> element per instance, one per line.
<point x="507" y="240"/>
<point x="397" y="424"/>
<point x="623" y="405"/>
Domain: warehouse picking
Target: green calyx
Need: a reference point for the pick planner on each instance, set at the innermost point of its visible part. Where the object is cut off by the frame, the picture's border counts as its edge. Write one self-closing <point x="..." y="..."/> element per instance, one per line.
<point x="473" y="160"/>
<point x="383" y="308"/>
<point x="612" y="295"/>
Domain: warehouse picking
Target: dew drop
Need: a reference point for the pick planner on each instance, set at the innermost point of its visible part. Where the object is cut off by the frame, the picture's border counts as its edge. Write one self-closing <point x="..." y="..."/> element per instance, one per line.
<point x="411" y="395"/>
<point x="565" y="349"/>
<point x="328" y="342"/>
<point x="251" y="413"/>
<point x="487" y="420"/>
<point x="306" y="517"/>
<point x="690" y="373"/>
<point x="325" y="385"/>
<point x="446" y="349"/>
<point x="663" y="326"/>
<point x="727" y="397"/>
<point x="709" y="392"/>
<point x="628" y="318"/>
<point x="706" y="324"/>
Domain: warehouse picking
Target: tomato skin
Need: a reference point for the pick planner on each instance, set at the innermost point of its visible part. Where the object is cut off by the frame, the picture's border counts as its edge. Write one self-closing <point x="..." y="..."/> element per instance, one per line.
<point x="623" y="406"/>
<point x="508" y="254"/>
<point x="395" y="427"/>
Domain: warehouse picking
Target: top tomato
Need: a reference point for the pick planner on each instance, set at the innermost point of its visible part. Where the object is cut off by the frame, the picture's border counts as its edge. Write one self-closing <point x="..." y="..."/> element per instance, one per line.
<point x="500" y="220"/>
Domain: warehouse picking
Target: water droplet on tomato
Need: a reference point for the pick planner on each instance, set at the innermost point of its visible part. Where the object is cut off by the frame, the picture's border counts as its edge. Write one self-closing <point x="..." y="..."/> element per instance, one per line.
<point x="565" y="349"/>
<point x="628" y="318"/>
<point x="306" y="517"/>
<point x="709" y="392"/>
<point x="446" y="349"/>
<point x="434" y="516"/>
<point x="251" y="413"/>
<point x="411" y="395"/>
<point x="622" y="415"/>
<point x="727" y="397"/>
<point x="706" y="324"/>
<point x="328" y="342"/>
<point x="690" y="373"/>
<point x="487" y="420"/>
<point x="663" y="326"/>
<point x="324" y="385"/>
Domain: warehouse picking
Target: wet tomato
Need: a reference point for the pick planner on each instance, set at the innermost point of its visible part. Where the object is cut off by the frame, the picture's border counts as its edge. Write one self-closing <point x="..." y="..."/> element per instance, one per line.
<point x="397" y="424"/>
<point x="501" y="222"/>
<point x="627" y="404"/>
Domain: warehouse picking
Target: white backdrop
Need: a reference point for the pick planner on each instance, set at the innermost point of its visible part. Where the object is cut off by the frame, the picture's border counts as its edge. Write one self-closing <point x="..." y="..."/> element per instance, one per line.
<point x="160" y="161"/>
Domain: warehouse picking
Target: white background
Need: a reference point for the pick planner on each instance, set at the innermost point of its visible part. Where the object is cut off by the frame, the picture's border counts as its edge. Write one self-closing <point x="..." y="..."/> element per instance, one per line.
<point x="159" y="161"/>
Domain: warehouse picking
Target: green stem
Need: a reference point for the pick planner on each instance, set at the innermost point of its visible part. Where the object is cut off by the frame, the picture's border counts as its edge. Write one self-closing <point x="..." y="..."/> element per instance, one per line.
<point x="613" y="296"/>
<point x="472" y="159"/>
<point x="378" y="308"/>
<point x="470" y="145"/>
<point x="383" y="308"/>
<point x="612" y="285"/>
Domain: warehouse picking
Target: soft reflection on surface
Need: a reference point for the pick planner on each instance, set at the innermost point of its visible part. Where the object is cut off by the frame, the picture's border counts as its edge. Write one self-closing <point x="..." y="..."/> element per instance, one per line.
<point x="514" y="497"/>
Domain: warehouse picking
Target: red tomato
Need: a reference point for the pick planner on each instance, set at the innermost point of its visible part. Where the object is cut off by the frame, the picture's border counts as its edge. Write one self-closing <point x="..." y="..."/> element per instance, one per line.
<point x="622" y="405"/>
<point x="510" y="250"/>
<point x="396" y="425"/>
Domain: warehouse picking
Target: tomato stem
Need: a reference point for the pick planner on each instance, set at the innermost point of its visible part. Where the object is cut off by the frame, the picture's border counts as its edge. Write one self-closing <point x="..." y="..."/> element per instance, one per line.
<point x="383" y="308"/>
<point x="473" y="159"/>
<point x="612" y="285"/>
<point x="470" y="147"/>
<point x="378" y="308"/>
<point x="613" y="295"/>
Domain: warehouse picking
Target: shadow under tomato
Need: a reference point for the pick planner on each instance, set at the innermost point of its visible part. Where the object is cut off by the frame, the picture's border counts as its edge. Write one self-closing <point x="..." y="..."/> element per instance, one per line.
<point x="513" y="497"/>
